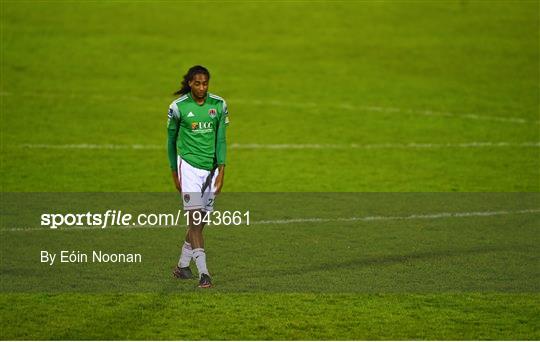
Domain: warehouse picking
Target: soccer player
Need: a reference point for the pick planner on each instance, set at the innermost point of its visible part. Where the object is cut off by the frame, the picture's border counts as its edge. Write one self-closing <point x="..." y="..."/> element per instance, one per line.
<point x="197" y="149"/>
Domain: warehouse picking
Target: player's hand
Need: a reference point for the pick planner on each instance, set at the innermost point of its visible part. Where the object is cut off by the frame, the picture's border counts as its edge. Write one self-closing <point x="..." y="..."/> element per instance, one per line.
<point x="176" y="181"/>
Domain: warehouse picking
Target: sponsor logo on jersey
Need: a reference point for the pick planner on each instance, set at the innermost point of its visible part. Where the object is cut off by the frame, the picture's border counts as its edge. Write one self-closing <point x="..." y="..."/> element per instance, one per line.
<point x="212" y="112"/>
<point x="202" y="127"/>
<point x="190" y="115"/>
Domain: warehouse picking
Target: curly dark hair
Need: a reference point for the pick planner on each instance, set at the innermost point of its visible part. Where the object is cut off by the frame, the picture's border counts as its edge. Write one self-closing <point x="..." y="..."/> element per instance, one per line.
<point x="194" y="70"/>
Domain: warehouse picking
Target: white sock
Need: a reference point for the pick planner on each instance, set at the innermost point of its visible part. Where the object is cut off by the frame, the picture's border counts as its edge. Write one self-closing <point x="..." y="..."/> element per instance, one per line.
<point x="200" y="260"/>
<point x="187" y="254"/>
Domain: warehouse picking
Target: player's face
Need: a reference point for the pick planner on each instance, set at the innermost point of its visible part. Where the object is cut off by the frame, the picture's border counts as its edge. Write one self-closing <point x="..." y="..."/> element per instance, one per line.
<point x="199" y="85"/>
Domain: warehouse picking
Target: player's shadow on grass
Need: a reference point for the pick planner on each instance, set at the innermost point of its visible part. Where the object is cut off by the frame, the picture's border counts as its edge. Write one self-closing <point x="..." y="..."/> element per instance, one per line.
<point x="364" y="262"/>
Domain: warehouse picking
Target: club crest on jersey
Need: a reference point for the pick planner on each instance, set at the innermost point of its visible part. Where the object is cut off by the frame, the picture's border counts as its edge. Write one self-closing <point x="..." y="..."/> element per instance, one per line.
<point x="186" y="198"/>
<point x="212" y="112"/>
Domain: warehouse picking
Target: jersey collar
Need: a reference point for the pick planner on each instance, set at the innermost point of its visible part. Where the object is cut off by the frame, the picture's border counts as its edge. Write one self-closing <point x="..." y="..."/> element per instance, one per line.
<point x="192" y="99"/>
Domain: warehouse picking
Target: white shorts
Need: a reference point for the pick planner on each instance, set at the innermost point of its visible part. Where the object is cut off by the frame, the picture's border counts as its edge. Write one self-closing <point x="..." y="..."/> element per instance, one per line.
<point x="198" y="190"/>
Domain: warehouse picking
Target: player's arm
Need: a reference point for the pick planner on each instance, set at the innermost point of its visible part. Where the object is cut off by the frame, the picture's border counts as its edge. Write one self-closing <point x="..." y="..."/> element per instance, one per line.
<point x="221" y="147"/>
<point x="173" y="126"/>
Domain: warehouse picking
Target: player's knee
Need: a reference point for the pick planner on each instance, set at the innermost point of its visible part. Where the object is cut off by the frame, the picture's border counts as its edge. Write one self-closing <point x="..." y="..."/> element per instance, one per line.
<point x="195" y="227"/>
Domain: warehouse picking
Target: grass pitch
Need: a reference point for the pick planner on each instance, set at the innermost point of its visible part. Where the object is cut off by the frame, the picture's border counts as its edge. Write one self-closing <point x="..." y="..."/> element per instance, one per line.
<point x="324" y="97"/>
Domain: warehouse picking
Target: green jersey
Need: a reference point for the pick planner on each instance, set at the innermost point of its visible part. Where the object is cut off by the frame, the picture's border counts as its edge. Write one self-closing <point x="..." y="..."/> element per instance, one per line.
<point x="197" y="132"/>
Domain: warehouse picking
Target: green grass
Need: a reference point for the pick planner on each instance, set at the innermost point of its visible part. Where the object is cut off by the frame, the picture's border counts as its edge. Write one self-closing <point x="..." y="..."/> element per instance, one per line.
<point x="271" y="316"/>
<point x="80" y="73"/>
<point x="439" y="278"/>
<point x="330" y="73"/>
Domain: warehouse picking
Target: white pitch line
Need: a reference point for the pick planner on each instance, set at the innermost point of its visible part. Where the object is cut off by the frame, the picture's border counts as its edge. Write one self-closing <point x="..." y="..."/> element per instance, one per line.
<point x="83" y="227"/>
<point x="93" y="146"/>
<point x="412" y="145"/>
<point x="410" y="217"/>
<point x="277" y="103"/>
<point x="313" y="219"/>
<point x="425" y="112"/>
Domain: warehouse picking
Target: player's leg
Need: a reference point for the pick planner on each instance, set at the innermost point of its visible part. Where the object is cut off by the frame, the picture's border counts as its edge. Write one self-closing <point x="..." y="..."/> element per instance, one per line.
<point x="197" y="243"/>
<point x="197" y="238"/>
<point x="196" y="204"/>
<point x="182" y="269"/>
<point x="187" y="252"/>
<point x="188" y="179"/>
